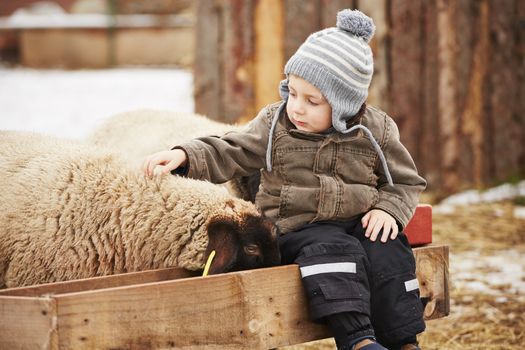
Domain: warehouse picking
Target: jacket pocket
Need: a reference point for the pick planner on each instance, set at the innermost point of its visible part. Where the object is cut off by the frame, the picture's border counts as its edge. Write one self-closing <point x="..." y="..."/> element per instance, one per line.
<point x="296" y="200"/>
<point x="356" y="165"/>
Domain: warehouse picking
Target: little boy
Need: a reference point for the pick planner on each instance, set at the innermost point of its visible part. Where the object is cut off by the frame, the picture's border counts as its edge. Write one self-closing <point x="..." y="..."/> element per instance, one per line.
<point x="334" y="179"/>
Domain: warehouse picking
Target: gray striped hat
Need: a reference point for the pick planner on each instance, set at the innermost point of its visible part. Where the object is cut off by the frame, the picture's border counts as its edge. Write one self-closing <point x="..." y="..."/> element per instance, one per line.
<point x="339" y="62"/>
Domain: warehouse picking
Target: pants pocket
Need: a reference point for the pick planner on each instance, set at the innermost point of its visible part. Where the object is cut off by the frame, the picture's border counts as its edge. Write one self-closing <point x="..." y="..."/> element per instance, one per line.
<point x="335" y="293"/>
<point x="344" y="290"/>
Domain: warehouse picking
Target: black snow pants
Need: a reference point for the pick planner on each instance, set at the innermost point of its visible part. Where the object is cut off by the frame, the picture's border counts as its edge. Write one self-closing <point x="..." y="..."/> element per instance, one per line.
<point x="359" y="288"/>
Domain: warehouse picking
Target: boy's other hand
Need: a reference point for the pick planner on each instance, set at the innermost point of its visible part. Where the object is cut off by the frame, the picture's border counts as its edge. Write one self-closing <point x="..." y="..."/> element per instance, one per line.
<point x="163" y="162"/>
<point x="377" y="219"/>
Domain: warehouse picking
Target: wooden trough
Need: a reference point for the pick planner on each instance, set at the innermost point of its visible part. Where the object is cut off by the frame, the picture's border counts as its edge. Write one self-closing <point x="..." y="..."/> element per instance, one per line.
<point x="172" y="308"/>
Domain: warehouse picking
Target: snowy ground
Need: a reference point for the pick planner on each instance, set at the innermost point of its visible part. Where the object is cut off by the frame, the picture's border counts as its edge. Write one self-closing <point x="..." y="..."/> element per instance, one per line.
<point x="499" y="193"/>
<point x="72" y="103"/>
<point x="495" y="274"/>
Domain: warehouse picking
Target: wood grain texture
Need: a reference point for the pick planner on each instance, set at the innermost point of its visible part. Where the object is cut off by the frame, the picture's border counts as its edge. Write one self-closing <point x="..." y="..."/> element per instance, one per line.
<point x="269" y="54"/>
<point x="503" y="79"/>
<point x="206" y="66"/>
<point x="406" y="68"/>
<point x="94" y="283"/>
<point x="256" y="309"/>
<point x="378" y="92"/>
<point x="28" y="323"/>
<point x="432" y="274"/>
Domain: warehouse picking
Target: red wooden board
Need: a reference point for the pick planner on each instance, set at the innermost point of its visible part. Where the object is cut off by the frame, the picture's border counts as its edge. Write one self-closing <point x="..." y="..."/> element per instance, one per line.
<point x="419" y="229"/>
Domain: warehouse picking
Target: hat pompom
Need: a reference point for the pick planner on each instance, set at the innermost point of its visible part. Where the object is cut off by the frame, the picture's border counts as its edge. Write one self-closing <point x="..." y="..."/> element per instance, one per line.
<point x="357" y="23"/>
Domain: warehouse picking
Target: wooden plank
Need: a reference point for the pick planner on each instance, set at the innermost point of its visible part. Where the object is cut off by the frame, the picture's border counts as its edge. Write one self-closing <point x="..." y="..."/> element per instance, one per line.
<point x="466" y="19"/>
<point x="49" y="48"/>
<point x="474" y="117"/>
<point x="329" y="9"/>
<point x="95" y="283"/>
<point x="206" y="72"/>
<point x="208" y="312"/>
<point x="28" y="323"/>
<point x="302" y="18"/>
<point x="154" y="46"/>
<point x="432" y="273"/>
<point x="430" y="162"/>
<point x="419" y="228"/>
<point x="279" y="309"/>
<point x="236" y="60"/>
<point x="447" y="104"/>
<point x="378" y="92"/>
<point x="262" y="308"/>
<point x="506" y="134"/>
<point x="406" y="68"/>
<point x="520" y="52"/>
<point x="269" y="52"/>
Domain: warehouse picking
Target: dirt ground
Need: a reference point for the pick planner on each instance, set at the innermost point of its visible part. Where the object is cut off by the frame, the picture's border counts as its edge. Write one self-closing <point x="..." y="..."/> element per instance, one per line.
<point x="487" y="280"/>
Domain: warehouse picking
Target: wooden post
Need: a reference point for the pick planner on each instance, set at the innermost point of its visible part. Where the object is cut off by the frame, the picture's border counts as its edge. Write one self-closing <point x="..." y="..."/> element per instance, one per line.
<point x="302" y="18"/>
<point x="378" y="93"/>
<point x="520" y="52"/>
<point x="237" y="17"/>
<point x="430" y="128"/>
<point x="207" y="65"/>
<point x="269" y="54"/>
<point x="507" y="135"/>
<point x="474" y="124"/>
<point x="447" y="103"/>
<point x="406" y="61"/>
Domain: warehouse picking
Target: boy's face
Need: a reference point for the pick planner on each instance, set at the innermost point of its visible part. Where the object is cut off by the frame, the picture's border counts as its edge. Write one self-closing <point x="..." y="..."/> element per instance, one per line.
<point x="307" y="108"/>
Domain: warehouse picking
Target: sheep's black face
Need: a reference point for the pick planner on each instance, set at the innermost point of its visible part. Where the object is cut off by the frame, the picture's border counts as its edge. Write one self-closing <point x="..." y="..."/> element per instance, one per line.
<point x="252" y="245"/>
<point x="259" y="244"/>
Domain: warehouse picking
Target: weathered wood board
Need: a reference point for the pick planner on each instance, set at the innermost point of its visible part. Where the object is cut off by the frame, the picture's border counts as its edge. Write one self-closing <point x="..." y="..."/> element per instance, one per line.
<point x="257" y="309"/>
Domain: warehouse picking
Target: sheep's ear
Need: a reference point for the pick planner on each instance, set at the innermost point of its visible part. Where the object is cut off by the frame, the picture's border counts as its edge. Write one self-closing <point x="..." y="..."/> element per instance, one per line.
<point x="222" y="239"/>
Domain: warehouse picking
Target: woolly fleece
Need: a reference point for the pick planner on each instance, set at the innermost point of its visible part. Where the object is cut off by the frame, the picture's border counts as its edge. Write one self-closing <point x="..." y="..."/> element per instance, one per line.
<point x="71" y="211"/>
<point x="137" y="134"/>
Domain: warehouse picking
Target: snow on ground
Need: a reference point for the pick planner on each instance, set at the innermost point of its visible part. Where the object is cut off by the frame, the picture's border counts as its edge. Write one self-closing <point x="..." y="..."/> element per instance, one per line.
<point x="72" y="103"/>
<point x="499" y="275"/>
<point x="498" y="193"/>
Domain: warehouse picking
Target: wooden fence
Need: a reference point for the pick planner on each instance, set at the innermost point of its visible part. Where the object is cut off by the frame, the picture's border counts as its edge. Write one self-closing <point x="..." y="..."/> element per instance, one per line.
<point x="450" y="72"/>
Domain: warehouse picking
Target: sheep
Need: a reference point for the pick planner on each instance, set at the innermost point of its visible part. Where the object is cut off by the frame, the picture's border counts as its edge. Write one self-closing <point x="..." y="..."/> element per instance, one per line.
<point x="70" y="210"/>
<point x="137" y="134"/>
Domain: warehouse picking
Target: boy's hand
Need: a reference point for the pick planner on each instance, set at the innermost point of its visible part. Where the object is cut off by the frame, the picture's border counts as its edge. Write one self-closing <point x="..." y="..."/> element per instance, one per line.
<point x="375" y="220"/>
<point x="163" y="162"/>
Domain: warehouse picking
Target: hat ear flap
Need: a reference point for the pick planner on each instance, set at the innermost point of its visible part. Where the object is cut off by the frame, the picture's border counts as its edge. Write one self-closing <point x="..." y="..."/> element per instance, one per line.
<point x="339" y="120"/>
<point x="284" y="91"/>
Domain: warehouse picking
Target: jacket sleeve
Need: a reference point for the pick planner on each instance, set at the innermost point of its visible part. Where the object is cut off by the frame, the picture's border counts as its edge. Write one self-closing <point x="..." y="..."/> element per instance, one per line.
<point x="236" y="153"/>
<point x="401" y="200"/>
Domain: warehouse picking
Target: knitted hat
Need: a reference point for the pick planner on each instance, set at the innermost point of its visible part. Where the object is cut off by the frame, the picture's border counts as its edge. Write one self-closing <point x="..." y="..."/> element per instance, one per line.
<point x="338" y="61"/>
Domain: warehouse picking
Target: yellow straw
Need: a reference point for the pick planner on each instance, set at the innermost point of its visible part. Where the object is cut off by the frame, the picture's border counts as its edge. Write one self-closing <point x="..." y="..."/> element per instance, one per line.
<point x="208" y="263"/>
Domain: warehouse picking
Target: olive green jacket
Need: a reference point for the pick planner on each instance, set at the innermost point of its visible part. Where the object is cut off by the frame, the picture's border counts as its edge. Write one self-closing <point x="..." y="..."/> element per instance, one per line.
<point x="315" y="177"/>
